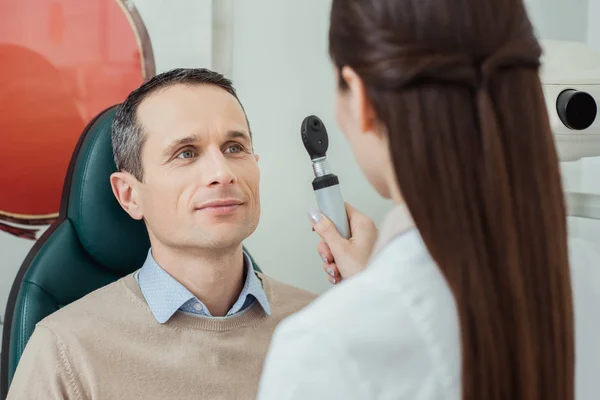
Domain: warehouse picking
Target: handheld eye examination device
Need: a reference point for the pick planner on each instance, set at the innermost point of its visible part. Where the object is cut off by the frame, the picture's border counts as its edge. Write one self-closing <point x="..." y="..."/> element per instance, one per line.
<point x="326" y="184"/>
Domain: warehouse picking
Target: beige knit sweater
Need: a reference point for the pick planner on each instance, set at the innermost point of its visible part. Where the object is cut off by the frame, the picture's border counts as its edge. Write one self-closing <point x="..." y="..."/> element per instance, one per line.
<point x="109" y="346"/>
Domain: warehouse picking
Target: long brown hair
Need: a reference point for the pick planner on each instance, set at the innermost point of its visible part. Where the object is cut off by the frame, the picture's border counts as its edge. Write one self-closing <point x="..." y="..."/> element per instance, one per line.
<point x="455" y="84"/>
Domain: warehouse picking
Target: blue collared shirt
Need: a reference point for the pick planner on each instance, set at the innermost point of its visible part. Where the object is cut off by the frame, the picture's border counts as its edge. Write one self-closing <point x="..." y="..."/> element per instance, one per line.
<point x="165" y="295"/>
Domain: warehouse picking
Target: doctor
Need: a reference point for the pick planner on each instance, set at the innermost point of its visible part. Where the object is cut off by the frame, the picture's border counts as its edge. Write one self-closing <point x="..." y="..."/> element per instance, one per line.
<point x="467" y="292"/>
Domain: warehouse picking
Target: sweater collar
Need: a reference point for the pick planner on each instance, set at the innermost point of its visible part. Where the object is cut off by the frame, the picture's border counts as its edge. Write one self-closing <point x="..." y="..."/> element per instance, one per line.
<point x="251" y="316"/>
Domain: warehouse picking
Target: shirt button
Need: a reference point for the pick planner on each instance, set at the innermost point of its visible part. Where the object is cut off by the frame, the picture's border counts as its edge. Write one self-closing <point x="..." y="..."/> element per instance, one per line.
<point x="198" y="307"/>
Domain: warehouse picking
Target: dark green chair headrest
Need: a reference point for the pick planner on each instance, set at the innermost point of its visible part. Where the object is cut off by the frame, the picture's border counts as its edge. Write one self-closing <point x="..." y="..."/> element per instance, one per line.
<point x="106" y="232"/>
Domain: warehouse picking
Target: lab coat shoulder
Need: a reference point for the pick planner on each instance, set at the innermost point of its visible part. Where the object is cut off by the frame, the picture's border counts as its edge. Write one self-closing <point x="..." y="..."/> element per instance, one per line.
<point x="389" y="332"/>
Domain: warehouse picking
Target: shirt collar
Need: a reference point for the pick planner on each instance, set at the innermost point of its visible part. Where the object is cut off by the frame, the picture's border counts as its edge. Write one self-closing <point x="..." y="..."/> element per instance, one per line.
<point x="165" y="295"/>
<point x="397" y="221"/>
<point x="252" y="287"/>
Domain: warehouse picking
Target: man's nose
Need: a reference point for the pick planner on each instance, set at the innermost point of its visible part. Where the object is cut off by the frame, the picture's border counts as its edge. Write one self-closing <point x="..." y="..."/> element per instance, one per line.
<point x="217" y="169"/>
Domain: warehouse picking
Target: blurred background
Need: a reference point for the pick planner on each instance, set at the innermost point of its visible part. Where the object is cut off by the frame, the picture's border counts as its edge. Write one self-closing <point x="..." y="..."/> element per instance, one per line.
<point x="74" y="58"/>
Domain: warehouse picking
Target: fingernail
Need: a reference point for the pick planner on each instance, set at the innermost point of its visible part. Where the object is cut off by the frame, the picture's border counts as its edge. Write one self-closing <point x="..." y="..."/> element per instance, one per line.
<point x="314" y="215"/>
<point x="324" y="258"/>
<point x="332" y="280"/>
<point x="330" y="271"/>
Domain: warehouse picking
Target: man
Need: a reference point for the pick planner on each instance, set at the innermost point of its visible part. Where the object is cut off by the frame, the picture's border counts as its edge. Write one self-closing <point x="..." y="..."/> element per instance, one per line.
<point x="196" y="320"/>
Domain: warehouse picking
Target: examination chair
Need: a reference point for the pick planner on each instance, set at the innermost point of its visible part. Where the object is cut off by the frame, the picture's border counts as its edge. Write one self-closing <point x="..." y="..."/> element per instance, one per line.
<point x="91" y="244"/>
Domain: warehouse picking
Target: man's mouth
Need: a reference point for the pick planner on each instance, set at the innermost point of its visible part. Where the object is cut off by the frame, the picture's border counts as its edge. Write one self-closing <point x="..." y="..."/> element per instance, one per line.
<point x="221" y="207"/>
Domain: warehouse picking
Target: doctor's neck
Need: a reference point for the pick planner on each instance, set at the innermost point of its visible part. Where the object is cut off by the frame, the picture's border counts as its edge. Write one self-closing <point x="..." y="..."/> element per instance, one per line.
<point x="393" y="189"/>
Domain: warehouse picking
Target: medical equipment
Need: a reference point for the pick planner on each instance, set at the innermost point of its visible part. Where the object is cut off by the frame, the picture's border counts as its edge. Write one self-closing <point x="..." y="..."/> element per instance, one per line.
<point x="570" y="76"/>
<point x="326" y="184"/>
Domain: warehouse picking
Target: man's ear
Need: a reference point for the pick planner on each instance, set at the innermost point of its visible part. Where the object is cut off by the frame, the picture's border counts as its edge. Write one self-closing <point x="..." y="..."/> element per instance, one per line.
<point x="124" y="188"/>
<point x="361" y="104"/>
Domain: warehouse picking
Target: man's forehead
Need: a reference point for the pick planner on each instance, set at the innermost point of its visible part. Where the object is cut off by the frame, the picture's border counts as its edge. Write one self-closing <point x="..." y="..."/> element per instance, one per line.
<point x="199" y="109"/>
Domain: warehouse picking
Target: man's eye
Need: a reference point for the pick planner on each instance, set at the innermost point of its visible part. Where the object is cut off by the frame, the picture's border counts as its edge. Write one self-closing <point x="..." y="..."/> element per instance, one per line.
<point x="186" y="154"/>
<point x="236" y="148"/>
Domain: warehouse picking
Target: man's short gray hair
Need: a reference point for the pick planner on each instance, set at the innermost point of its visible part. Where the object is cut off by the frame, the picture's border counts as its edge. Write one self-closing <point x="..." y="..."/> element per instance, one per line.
<point x="127" y="136"/>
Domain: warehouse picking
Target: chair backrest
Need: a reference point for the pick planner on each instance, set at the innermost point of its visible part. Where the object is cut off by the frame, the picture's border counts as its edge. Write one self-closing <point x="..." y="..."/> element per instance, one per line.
<point x="91" y="244"/>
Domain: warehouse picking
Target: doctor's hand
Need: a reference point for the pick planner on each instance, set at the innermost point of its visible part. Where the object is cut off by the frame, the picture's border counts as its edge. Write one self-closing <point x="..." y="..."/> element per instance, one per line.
<point x="343" y="258"/>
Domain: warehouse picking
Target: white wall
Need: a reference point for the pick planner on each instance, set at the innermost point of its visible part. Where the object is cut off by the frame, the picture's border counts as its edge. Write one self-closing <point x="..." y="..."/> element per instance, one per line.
<point x="560" y="19"/>
<point x="177" y="25"/>
<point x="577" y="20"/>
<point x="593" y="24"/>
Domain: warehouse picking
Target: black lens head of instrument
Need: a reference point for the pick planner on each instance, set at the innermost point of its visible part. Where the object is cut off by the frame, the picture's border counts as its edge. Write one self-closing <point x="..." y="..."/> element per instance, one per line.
<point x="314" y="137"/>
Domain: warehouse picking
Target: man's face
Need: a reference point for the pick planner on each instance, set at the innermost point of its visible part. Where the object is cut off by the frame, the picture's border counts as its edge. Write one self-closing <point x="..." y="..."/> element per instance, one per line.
<point x="201" y="177"/>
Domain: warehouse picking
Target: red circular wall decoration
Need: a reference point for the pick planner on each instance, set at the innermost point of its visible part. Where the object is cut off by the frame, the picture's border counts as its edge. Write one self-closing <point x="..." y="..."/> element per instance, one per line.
<point x="61" y="63"/>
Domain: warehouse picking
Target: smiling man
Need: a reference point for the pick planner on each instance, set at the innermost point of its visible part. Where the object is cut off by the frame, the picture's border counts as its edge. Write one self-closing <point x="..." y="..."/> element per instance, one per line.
<point x="195" y="321"/>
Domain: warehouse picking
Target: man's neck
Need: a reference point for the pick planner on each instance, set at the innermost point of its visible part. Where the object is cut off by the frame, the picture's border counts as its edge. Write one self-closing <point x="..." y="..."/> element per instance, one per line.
<point x="215" y="277"/>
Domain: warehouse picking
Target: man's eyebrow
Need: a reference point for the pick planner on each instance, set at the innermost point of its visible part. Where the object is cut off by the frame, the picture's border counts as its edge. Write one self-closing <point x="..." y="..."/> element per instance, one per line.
<point x="187" y="140"/>
<point x="238" y="135"/>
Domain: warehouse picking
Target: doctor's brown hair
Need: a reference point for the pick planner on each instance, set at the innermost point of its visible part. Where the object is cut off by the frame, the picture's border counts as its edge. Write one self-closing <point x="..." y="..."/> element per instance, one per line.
<point x="455" y="85"/>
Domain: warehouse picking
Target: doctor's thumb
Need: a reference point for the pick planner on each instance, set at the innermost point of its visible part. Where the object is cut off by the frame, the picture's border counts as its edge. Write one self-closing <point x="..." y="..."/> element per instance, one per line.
<point x="327" y="230"/>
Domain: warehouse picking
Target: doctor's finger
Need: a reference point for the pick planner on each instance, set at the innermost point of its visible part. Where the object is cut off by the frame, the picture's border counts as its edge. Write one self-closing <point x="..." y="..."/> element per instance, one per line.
<point x="325" y="252"/>
<point x="332" y="271"/>
<point x="327" y="230"/>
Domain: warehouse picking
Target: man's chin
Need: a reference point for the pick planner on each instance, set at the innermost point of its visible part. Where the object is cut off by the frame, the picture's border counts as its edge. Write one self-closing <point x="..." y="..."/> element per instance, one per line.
<point x="222" y="236"/>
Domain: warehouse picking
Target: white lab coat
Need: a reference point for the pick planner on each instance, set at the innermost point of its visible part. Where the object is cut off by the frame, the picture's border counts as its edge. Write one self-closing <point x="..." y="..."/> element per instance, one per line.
<point x="392" y="332"/>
